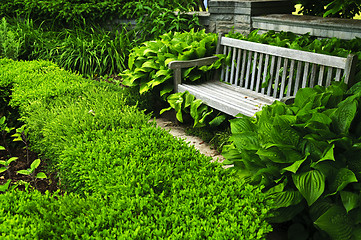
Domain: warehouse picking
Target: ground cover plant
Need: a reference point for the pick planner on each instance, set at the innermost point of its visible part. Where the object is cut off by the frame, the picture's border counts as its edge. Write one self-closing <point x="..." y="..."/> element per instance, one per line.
<point x="120" y="176"/>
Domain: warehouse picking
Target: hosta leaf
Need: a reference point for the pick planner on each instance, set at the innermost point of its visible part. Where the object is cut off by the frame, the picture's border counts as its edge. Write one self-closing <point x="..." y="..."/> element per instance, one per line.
<point x="150" y="64"/>
<point x="164" y="110"/>
<point x="2" y="148"/>
<point x="287" y="198"/>
<point x="231" y="154"/>
<point x="2" y="169"/>
<point x="343" y="178"/>
<point x="217" y="120"/>
<point x="245" y="140"/>
<point x="285" y="214"/>
<point x="336" y="223"/>
<point x="350" y="200"/>
<point x="188" y="99"/>
<point x="162" y="73"/>
<point x="303" y="95"/>
<point x="201" y="51"/>
<point x="168" y="88"/>
<point x="344" y="115"/>
<point x="273" y="154"/>
<point x="41" y="175"/>
<point x="187" y="72"/>
<point x="243" y="124"/>
<point x="294" y="167"/>
<point x="311" y="185"/>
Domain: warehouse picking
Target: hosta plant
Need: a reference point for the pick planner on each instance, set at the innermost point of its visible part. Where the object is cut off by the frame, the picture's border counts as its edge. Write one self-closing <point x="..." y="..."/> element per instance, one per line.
<point x="308" y="156"/>
<point x="148" y="63"/>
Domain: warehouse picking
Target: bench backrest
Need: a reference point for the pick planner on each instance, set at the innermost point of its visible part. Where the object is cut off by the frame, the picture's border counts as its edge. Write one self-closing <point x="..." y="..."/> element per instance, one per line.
<point x="279" y="72"/>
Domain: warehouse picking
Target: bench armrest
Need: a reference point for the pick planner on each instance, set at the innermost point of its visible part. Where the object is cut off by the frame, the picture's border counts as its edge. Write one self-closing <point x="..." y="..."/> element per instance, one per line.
<point x="178" y="65"/>
<point x="288" y="100"/>
<point x="192" y="63"/>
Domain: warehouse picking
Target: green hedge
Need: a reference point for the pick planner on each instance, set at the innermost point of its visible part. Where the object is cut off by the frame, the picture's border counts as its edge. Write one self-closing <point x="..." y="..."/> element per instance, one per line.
<point x="75" y="11"/>
<point x="124" y="177"/>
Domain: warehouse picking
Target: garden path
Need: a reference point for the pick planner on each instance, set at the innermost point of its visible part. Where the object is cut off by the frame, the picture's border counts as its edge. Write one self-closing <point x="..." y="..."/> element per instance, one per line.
<point x="178" y="131"/>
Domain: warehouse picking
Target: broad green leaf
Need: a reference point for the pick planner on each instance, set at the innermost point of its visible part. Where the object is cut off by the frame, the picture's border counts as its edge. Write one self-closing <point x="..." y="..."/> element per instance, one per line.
<point x="188" y="99"/>
<point x="150" y="64"/>
<point x="217" y="120"/>
<point x="287" y="198"/>
<point x="41" y="175"/>
<point x="162" y="73"/>
<point x="336" y="223"/>
<point x="164" y="110"/>
<point x="12" y="159"/>
<point x="2" y="148"/>
<point x="194" y="108"/>
<point x="187" y="72"/>
<point x="168" y="88"/>
<point x="281" y="215"/>
<point x="25" y="172"/>
<point x="328" y="154"/>
<point x="3" y="169"/>
<point x="294" y="167"/>
<point x="143" y="88"/>
<point x="303" y="95"/>
<point x="350" y="200"/>
<point x="344" y="115"/>
<point x="201" y="51"/>
<point x="245" y="140"/>
<point x="273" y="154"/>
<point x="343" y="178"/>
<point x="311" y="185"/>
<point x="243" y="124"/>
<point x="35" y="164"/>
<point x="231" y="154"/>
<point x="5" y="186"/>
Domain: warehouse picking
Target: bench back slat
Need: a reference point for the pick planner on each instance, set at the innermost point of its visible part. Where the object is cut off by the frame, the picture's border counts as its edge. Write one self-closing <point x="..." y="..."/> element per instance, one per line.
<point x="327" y="60"/>
<point x="278" y="72"/>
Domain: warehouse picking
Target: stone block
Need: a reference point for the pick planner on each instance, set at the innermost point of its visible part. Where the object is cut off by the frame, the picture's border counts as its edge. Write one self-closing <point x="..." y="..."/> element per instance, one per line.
<point x="242" y="19"/>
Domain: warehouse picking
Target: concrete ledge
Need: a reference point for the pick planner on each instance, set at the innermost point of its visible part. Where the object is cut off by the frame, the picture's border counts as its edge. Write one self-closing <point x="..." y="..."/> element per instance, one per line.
<point x="316" y="26"/>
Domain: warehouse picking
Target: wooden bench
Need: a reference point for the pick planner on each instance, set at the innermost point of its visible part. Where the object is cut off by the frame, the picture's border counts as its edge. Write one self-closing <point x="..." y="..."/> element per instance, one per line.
<point x="259" y="74"/>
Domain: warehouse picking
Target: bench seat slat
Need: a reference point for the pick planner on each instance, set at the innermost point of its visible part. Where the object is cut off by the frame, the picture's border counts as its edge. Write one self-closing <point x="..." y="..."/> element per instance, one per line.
<point x="228" y="100"/>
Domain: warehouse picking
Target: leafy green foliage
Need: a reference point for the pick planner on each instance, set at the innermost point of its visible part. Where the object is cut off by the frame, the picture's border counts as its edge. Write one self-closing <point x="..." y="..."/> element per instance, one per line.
<point x="330" y="8"/>
<point x="306" y="152"/>
<point x="10" y="41"/>
<point x="124" y="177"/>
<point x="148" y="63"/>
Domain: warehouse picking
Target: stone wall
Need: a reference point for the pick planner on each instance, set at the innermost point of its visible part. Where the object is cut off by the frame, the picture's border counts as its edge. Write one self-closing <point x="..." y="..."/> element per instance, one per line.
<point x="316" y="26"/>
<point x="226" y="14"/>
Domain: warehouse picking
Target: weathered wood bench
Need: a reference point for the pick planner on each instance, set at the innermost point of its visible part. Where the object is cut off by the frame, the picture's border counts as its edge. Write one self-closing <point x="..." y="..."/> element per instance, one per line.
<point x="259" y="74"/>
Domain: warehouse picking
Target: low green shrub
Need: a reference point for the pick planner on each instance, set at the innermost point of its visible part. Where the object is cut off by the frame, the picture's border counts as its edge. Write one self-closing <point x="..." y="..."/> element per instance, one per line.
<point x="308" y="156"/>
<point x="125" y="178"/>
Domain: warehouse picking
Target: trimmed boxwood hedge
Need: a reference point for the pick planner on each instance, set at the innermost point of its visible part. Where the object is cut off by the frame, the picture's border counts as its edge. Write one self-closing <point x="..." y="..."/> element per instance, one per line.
<point x="124" y="178"/>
